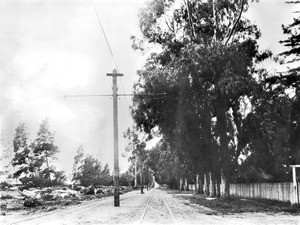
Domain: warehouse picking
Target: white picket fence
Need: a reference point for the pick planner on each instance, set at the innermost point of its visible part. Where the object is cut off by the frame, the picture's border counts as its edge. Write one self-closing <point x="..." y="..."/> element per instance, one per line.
<point x="285" y="192"/>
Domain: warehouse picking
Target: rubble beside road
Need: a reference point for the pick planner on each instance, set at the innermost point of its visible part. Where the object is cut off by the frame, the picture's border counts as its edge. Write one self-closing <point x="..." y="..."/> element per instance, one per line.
<point x="51" y="198"/>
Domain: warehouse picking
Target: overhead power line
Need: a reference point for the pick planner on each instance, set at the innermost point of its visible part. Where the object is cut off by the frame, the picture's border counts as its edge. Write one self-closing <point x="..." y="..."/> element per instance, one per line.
<point x="107" y="42"/>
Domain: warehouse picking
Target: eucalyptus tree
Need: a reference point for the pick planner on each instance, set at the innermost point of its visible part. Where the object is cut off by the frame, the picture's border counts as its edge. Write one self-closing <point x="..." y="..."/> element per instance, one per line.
<point x="137" y="146"/>
<point x="266" y="136"/>
<point x="204" y="63"/>
<point x="166" y="166"/>
<point x="271" y="131"/>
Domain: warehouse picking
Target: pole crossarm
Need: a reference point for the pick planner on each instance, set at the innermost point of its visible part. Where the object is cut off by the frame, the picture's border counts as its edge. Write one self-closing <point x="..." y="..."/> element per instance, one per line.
<point x="72" y="96"/>
<point x="151" y="94"/>
<point x="115" y="96"/>
<point x="114" y="73"/>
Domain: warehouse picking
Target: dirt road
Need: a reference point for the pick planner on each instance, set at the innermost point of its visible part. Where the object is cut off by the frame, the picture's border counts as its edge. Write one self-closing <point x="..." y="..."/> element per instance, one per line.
<point x="154" y="207"/>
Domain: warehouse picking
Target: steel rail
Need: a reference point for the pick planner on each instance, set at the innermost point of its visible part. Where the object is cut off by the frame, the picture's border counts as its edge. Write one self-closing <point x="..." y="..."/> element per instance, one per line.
<point x="165" y="203"/>
<point x="144" y="213"/>
<point x="170" y="211"/>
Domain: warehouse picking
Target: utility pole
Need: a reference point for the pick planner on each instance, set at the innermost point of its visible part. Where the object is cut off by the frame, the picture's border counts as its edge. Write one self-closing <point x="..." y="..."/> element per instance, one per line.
<point x="116" y="137"/>
<point x="115" y="96"/>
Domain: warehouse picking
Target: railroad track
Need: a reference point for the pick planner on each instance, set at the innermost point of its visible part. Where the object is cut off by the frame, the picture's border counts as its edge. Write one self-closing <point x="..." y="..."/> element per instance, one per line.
<point x="153" y="206"/>
<point x="154" y="198"/>
<point x="80" y="208"/>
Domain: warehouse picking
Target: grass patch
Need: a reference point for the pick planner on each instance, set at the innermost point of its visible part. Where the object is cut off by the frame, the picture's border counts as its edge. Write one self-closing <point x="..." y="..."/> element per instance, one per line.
<point x="240" y="205"/>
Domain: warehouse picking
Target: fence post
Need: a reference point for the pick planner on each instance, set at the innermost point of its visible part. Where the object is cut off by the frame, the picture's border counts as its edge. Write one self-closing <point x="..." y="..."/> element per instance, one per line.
<point x="295" y="184"/>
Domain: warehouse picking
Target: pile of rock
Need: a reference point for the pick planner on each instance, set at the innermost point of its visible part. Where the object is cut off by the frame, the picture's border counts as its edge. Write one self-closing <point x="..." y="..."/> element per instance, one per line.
<point x="91" y="190"/>
<point x="34" y="197"/>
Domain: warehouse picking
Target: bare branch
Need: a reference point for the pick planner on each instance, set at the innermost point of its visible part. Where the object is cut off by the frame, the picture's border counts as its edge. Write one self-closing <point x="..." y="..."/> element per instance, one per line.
<point x="190" y="19"/>
<point x="235" y="23"/>
<point x="168" y="25"/>
<point x="215" y="21"/>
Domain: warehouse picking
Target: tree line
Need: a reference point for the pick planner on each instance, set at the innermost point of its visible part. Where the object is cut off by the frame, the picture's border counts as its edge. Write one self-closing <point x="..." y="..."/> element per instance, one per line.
<point x="34" y="162"/>
<point x="224" y="115"/>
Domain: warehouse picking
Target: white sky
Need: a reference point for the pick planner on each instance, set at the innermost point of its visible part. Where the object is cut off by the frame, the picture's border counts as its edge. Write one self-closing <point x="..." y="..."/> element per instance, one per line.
<point x="52" y="48"/>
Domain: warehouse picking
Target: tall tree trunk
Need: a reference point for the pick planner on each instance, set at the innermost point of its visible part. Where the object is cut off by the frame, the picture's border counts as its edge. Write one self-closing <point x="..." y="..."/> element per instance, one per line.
<point x="218" y="189"/>
<point x="218" y="183"/>
<point x="226" y="185"/>
<point x="215" y="19"/>
<point x="197" y="184"/>
<point x="135" y="171"/>
<point x="186" y="184"/>
<point x="147" y="177"/>
<point x="141" y="180"/>
<point x="190" y="19"/>
<point x="232" y="30"/>
<point x="206" y="183"/>
<point x="180" y="184"/>
<point x="217" y="173"/>
<point x="201" y="182"/>
<point x="224" y="149"/>
<point x="212" y="185"/>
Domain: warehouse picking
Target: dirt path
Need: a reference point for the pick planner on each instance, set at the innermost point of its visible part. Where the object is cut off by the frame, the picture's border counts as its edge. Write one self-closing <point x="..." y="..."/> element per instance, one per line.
<point x="153" y="207"/>
<point x="157" y="210"/>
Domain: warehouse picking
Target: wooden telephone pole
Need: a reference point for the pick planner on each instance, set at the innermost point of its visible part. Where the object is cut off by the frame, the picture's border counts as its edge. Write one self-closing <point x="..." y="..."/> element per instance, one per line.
<point x="115" y="96"/>
<point x="114" y="75"/>
<point x="116" y="137"/>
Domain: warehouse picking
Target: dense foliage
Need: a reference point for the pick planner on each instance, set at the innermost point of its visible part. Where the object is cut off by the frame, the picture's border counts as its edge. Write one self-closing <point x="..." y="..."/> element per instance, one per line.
<point x="126" y="179"/>
<point x="221" y="117"/>
<point x="34" y="162"/>
<point x="88" y="170"/>
<point x="140" y="157"/>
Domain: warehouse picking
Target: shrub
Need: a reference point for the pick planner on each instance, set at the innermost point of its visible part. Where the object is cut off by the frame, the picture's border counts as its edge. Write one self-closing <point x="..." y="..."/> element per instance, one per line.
<point x="4" y="186"/>
<point x="3" y="197"/>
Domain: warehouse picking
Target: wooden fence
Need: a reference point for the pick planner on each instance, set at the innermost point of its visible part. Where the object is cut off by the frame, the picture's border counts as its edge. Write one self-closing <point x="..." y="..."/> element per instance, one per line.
<point x="285" y="192"/>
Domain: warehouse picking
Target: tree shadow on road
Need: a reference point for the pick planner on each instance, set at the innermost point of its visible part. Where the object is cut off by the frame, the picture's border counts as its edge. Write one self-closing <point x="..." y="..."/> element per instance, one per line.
<point x="236" y="205"/>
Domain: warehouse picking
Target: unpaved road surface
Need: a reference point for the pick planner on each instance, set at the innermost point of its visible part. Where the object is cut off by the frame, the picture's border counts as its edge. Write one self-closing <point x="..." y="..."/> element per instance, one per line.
<point x="154" y="207"/>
